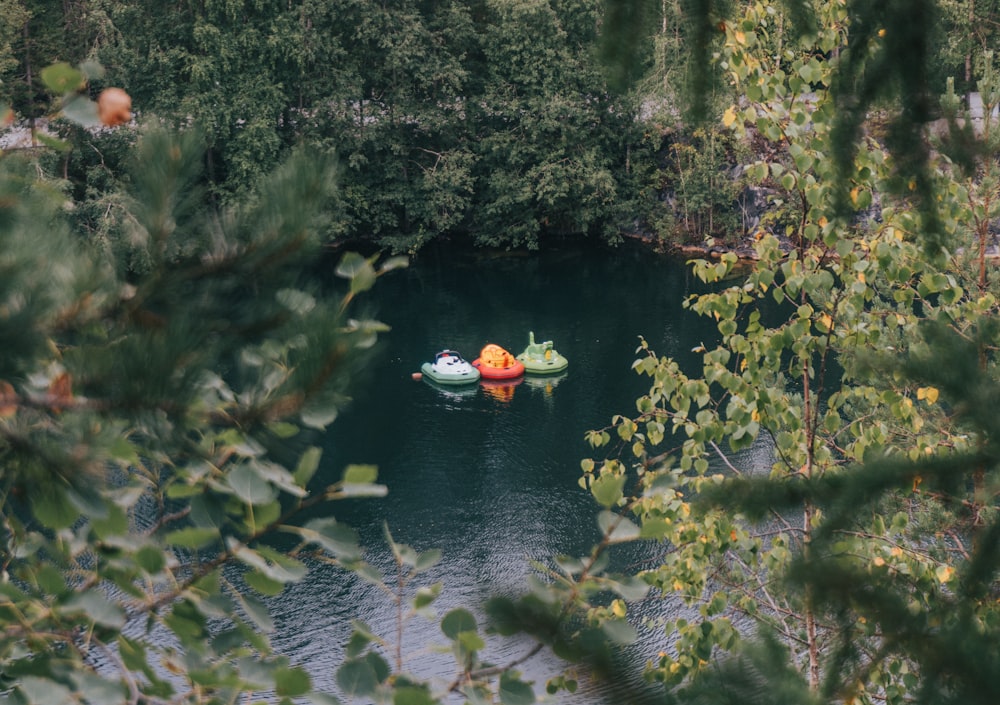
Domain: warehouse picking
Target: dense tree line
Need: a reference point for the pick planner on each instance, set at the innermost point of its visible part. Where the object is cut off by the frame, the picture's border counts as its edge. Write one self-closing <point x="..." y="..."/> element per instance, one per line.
<point x="487" y="120"/>
<point x="493" y="121"/>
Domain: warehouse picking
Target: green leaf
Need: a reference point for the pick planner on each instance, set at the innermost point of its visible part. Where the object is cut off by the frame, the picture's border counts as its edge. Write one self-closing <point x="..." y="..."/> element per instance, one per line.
<point x="458" y="621"/>
<point x="92" y="69"/>
<point x="617" y="528"/>
<point x="93" y="688"/>
<point x="115" y="523"/>
<point x="307" y="466"/>
<point x="208" y="511"/>
<point x="264" y="584"/>
<point x="192" y="537"/>
<point x="276" y="475"/>
<point x="62" y="78"/>
<point x="358" y="270"/>
<point x="43" y="691"/>
<point x="360" y="474"/>
<point x="367" y="572"/>
<point x="470" y="642"/>
<point x="97" y="608"/>
<point x="379" y="666"/>
<point x="88" y="502"/>
<point x="607" y="489"/>
<point x="249" y="486"/>
<point x="291" y="682"/>
<point x="133" y="654"/>
<point x="122" y="450"/>
<point x="630" y="587"/>
<point x="477" y="695"/>
<point x="357" y="644"/>
<point x="655" y="528"/>
<point x="283" y="429"/>
<point x="186" y="622"/>
<point x="356" y="678"/>
<point x="570" y="565"/>
<point x="315" y="698"/>
<point x="257" y="612"/>
<point x="427" y="560"/>
<point x="50" y="579"/>
<point x="54" y="509"/>
<point x="266" y="514"/>
<point x="274" y="564"/>
<point x="364" y="490"/>
<point x="150" y="559"/>
<point x="397" y="262"/>
<point x="620" y="631"/>
<point x="82" y="111"/>
<point x="514" y="691"/>
<point x="337" y="538"/>
<point x="412" y="695"/>
<point x="426" y="595"/>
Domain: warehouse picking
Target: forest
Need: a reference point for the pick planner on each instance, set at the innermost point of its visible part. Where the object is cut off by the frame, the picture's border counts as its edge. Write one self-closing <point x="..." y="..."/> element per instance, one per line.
<point x="163" y="360"/>
<point x="497" y="122"/>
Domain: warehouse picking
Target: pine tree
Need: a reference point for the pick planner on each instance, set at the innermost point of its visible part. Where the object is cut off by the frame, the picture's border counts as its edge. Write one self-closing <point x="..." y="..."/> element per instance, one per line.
<point x="151" y="429"/>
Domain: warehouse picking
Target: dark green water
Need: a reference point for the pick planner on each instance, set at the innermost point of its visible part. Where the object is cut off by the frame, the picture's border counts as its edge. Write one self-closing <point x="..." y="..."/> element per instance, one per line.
<point x="489" y="476"/>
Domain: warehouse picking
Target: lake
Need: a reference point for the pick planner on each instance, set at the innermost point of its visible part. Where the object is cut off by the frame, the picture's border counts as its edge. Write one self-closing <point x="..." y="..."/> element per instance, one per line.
<point x="488" y="475"/>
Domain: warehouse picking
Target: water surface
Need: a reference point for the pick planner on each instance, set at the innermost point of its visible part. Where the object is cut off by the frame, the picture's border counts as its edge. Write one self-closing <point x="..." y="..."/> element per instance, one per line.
<point x="489" y="474"/>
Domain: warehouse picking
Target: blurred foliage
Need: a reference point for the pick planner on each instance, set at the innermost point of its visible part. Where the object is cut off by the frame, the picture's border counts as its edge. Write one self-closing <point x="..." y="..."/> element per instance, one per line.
<point x="158" y="375"/>
<point x="851" y="556"/>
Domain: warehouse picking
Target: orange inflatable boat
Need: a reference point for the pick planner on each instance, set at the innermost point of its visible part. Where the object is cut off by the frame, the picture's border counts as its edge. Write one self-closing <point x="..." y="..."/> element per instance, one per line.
<point x="496" y="363"/>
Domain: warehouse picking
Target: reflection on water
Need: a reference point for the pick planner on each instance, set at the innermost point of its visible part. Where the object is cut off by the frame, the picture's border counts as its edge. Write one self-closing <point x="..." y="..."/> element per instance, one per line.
<point x="546" y="383"/>
<point x="500" y="389"/>
<point x="488" y="473"/>
<point x="452" y="391"/>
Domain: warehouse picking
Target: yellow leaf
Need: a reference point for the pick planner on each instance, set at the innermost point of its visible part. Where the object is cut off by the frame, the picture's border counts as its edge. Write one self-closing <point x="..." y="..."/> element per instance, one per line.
<point x="879" y="561"/>
<point x="729" y="117"/>
<point x="618" y="608"/>
<point x="944" y="573"/>
<point x="740" y="37"/>
<point x="854" y="195"/>
<point x="930" y="394"/>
